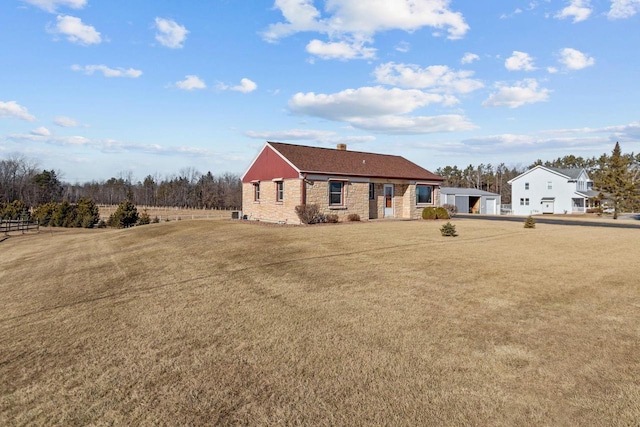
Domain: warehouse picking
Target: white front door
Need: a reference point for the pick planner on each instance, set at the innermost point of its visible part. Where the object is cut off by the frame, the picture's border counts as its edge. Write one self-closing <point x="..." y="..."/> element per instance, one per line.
<point x="388" y="200"/>
<point x="547" y="207"/>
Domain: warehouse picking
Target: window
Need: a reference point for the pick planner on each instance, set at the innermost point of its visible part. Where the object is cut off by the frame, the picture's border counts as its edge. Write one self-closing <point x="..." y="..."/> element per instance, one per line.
<point x="335" y="193"/>
<point x="526" y="185"/>
<point x="423" y="194"/>
<point x="549" y="185"/>
<point x="524" y="202"/>
<point x="279" y="191"/>
<point x="372" y="188"/>
<point x="256" y="191"/>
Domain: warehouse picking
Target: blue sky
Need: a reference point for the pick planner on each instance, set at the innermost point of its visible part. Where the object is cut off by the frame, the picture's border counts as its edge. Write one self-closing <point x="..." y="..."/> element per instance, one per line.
<point x="97" y="88"/>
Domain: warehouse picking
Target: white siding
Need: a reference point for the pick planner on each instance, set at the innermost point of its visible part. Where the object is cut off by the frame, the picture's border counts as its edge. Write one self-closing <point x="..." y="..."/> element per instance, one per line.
<point x="562" y="191"/>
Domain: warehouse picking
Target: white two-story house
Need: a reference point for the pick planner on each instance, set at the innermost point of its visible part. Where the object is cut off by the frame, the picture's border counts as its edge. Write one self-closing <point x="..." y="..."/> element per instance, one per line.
<point x="543" y="190"/>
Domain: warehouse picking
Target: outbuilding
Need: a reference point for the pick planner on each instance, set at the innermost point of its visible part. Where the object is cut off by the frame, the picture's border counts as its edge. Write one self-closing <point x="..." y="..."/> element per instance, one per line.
<point x="471" y="200"/>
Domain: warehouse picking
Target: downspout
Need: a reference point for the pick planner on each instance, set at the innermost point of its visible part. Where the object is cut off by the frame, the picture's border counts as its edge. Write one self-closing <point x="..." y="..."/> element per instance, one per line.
<point x="303" y="189"/>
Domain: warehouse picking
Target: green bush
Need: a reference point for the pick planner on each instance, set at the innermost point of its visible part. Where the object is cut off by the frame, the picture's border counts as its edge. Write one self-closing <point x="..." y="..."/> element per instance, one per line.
<point x="44" y="213"/>
<point x="83" y="214"/>
<point x="126" y="215"/>
<point x="63" y="215"/>
<point x="530" y="222"/>
<point x="353" y="217"/>
<point x="429" y="213"/>
<point x="442" y="213"/>
<point x="14" y="210"/>
<point x="144" y="218"/>
<point x="87" y="213"/>
<point x="308" y="214"/>
<point x="448" y="230"/>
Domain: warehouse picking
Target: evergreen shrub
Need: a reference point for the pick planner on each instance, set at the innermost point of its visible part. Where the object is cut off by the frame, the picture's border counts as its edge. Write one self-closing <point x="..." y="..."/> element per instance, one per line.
<point x="429" y="213"/>
<point x="126" y="215"/>
<point x="442" y="213"/>
<point x="448" y="230"/>
<point x="530" y="222"/>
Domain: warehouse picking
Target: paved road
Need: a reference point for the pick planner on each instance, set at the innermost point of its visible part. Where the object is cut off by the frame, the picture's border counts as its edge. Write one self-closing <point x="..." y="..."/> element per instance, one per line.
<point x="550" y="220"/>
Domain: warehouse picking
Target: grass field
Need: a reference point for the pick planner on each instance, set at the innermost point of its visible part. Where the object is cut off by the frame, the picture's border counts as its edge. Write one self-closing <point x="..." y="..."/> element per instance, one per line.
<point x="384" y="323"/>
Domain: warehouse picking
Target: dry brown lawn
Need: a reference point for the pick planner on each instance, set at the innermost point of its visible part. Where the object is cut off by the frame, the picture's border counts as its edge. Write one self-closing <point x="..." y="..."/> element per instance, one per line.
<point x="381" y="323"/>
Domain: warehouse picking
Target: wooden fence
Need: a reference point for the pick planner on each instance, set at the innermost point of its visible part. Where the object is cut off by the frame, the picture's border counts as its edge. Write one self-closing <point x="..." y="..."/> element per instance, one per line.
<point x="7" y="226"/>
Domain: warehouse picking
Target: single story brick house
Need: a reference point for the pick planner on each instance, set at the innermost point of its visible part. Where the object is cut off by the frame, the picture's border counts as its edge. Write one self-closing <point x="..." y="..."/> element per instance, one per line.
<point x="339" y="181"/>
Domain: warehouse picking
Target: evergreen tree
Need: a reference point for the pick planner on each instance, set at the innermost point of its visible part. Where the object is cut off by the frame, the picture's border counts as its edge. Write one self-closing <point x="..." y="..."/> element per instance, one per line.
<point x="126" y="215"/>
<point x="616" y="181"/>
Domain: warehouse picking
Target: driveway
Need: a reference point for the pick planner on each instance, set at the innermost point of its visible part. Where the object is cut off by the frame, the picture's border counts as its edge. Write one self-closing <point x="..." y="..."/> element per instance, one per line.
<point x="540" y="219"/>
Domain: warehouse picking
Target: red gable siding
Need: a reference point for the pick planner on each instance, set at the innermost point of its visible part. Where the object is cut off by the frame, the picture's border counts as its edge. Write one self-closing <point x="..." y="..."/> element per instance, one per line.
<point x="269" y="165"/>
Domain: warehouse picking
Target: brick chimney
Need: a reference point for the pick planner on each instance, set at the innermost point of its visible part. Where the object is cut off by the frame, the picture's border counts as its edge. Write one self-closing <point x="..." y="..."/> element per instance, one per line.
<point x="342" y="147"/>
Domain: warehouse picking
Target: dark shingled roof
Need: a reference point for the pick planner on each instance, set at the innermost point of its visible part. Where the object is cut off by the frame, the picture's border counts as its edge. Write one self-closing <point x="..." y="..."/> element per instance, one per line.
<point x="353" y="163"/>
<point x="572" y="173"/>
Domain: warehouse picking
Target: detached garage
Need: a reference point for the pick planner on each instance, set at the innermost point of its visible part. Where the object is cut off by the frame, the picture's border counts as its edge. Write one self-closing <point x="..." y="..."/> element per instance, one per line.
<point x="471" y="200"/>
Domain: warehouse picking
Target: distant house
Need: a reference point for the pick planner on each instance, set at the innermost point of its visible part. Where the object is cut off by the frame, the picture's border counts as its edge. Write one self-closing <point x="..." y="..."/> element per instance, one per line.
<point x="471" y="200"/>
<point x="339" y="181"/>
<point x="543" y="190"/>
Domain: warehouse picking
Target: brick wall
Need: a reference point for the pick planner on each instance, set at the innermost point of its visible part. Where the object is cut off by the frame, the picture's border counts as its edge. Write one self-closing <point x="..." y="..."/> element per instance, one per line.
<point x="355" y="195"/>
<point x="267" y="208"/>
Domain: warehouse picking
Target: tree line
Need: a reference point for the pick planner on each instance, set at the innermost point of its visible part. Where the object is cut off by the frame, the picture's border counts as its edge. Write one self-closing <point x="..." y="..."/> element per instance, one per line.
<point x="616" y="175"/>
<point x="21" y="179"/>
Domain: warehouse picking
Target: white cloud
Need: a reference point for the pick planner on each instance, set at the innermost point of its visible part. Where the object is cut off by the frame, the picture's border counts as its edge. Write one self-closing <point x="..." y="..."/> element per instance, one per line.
<point x="170" y="33"/>
<point x="403" y="47"/>
<point x="413" y="125"/>
<point x="573" y="59"/>
<point x="290" y="135"/>
<point x="356" y="21"/>
<point x="517" y="11"/>
<point x="49" y="139"/>
<point x="621" y="9"/>
<point x="245" y="86"/>
<point x="363" y="102"/>
<point x="469" y="57"/>
<point x="519" y="61"/>
<point x="76" y="31"/>
<point x="340" y="50"/>
<point x="524" y="92"/>
<point x="320" y="136"/>
<point x="380" y="110"/>
<point x="542" y="146"/>
<point x="109" y="145"/>
<point x="11" y="109"/>
<point x="579" y="10"/>
<point x="41" y="131"/>
<point x="438" y="78"/>
<point x="552" y="70"/>
<point x="108" y="72"/>
<point x="66" y="122"/>
<point x="191" y="82"/>
<point x="52" y="5"/>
